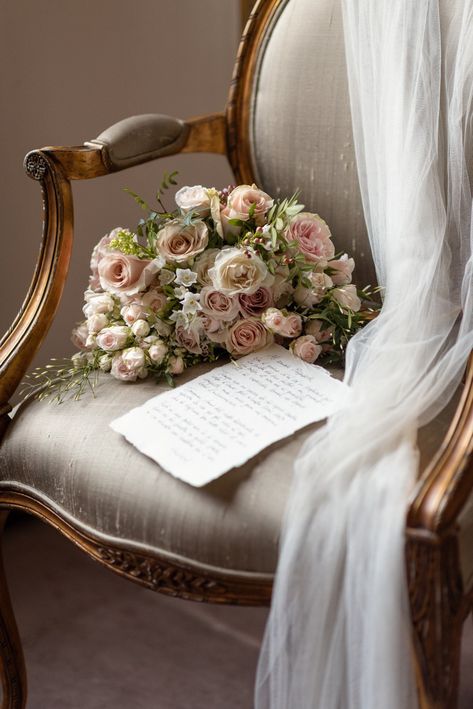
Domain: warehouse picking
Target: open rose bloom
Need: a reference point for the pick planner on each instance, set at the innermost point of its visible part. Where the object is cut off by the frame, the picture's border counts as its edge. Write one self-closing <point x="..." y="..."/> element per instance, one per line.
<point x="225" y="272"/>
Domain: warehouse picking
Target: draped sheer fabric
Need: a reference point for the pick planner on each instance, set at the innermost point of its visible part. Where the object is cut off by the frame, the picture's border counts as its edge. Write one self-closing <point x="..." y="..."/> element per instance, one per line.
<point x="338" y="636"/>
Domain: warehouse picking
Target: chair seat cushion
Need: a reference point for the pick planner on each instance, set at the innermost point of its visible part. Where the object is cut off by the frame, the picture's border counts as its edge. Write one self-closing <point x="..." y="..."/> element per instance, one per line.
<point x="70" y="459"/>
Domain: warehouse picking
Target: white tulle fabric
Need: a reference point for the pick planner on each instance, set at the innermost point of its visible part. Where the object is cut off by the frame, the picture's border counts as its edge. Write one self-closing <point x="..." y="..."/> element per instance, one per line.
<point x="338" y="633"/>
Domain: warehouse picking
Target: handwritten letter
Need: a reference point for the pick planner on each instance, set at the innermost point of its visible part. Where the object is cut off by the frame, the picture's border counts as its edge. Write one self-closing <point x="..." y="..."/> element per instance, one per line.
<point x="221" y="419"/>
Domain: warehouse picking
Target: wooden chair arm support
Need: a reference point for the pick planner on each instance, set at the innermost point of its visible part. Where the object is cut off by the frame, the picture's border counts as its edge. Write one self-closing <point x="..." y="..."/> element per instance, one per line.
<point x="445" y="487"/>
<point x="137" y="140"/>
<point x="130" y="142"/>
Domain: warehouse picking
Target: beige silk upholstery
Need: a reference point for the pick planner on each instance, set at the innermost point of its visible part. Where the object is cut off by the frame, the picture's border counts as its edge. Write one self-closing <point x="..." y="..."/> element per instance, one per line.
<point x="301" y="135"/>
<point x="68" y="457"/>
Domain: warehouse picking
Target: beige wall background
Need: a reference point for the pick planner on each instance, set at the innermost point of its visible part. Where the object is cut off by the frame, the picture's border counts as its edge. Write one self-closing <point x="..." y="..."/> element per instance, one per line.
<point x="69" y="69"/>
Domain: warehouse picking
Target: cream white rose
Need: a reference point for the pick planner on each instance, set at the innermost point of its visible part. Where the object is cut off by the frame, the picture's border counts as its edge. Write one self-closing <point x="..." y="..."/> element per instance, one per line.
<point x="193" y="199"/>
<point x="236" y="271"/>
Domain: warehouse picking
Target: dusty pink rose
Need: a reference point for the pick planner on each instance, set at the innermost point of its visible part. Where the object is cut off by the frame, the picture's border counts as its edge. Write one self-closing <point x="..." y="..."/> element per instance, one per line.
<point x="121" y="273"/>
<point x="253" y="304"/>
<point x="176" y="365"/>
<point x="178" y="243"/>
<point x="97" y="322"/>
<point x="312" y="236"/>
<point x="79" y="336"/>
<point x="347" y="298"/>
<point x="343" y="269"/>
<point x="129" y="365"/>
<point x="113" y="338"/>
<point x="97" y="254"/>
<point x="188" y="338"/>
<point x="214" y="329"/>
<point x="241" y="200"/>
<point x="247" y="335"/>
<point x="218" y="305"/>
<point x="306" y="348"/>
<point x="154" y="299"/>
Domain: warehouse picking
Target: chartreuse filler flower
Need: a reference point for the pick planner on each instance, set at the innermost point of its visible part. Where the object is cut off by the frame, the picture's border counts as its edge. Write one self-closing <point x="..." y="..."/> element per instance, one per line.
<point x="225" y="273"/>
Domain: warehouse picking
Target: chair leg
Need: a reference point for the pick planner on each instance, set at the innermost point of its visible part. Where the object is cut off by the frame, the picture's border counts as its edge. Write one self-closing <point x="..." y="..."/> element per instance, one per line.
<point x="436" y="603"/>
<point x="12" y="663"/>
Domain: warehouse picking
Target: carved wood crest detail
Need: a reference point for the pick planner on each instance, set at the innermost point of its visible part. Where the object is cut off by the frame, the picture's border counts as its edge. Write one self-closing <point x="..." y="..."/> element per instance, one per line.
<point x="436" y="599"/>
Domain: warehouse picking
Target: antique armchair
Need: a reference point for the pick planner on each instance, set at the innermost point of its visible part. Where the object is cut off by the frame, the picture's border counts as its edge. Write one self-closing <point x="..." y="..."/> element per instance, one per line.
<point x="219" y="544"/>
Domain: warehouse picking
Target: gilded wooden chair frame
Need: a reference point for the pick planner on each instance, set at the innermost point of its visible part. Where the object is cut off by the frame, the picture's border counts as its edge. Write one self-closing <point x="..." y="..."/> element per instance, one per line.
<point x="439" y="601"/>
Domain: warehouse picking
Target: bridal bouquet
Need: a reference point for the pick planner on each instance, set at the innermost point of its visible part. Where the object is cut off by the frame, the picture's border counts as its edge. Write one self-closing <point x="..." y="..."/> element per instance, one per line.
<point x="226" y="272"/>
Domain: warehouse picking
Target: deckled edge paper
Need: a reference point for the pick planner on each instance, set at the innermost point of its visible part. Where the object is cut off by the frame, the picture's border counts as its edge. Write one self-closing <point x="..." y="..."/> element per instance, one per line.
<point x="219" y="420"/>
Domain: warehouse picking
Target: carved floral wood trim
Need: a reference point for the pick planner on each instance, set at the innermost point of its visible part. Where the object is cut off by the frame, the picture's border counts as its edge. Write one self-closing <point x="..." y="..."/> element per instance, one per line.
<point x="185" y="579"/>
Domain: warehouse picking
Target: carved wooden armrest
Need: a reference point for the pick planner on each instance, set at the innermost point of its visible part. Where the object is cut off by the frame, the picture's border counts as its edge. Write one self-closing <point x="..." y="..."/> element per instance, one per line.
<point x="445" y="487"/>
<point x="130" y="142"/>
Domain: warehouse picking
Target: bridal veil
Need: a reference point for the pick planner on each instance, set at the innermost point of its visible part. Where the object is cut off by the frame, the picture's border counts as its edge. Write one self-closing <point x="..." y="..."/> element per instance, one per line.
<point x="338" y="633"/>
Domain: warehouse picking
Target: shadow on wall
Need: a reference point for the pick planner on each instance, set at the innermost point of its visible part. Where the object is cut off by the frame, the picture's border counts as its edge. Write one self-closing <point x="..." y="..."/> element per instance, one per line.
<point x="74" y="69"/>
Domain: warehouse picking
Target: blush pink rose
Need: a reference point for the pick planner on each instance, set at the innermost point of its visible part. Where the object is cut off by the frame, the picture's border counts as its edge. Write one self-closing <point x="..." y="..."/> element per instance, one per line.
<point x="129" y="365"/>
<point x="306" y="348"/>
<point x="316" y="329"/>
<point x="247" y="335"/>
<point x="122" y="273"/>
<point x="253" y="304"/>
<point x="133" y="312"/>
<point x="218" y="305"/>
<point x="193" y="199"/>
<point x="312" y="236"/>
<point x="291" y="326"/>
<point x="309" y="297"/>
<point x="347" y="298"/>
<point x="243" y="198"/>
<point x="281" y="323"/>
<point x="176" y="365"/>
<point x="177" y="242"/>
<point x="113" y="338"/>
<point x="79" y="336"/>
<point x="97" y="254"/>
<point x="343" y="268"/>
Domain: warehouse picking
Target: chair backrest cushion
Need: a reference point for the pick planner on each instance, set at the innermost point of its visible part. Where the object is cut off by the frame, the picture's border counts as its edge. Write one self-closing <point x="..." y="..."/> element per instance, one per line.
<point x="300" y="125"/>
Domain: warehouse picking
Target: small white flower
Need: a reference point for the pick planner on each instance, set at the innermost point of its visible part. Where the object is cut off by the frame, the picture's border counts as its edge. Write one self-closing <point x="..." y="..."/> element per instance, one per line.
<point x="185" y="277"/>
<point x="166" y="276"/>
<point x="190" y="303"/>
<point x="159" y="261"/>
<point x="178" y="317"/>
<point x="180" y="292"/>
